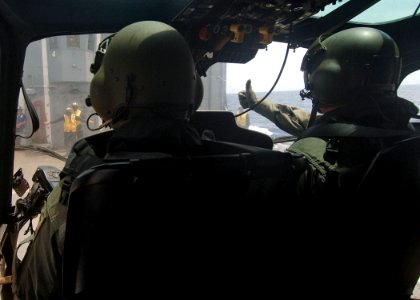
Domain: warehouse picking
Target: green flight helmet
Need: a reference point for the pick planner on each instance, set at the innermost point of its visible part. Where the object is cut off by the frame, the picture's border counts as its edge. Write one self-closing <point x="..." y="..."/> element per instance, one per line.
<point x="147" y="66"/>
<point x="347" y="65"/>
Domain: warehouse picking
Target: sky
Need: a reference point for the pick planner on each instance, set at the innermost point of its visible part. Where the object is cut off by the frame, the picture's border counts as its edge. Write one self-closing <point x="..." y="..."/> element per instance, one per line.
<point x="264" y="68"/>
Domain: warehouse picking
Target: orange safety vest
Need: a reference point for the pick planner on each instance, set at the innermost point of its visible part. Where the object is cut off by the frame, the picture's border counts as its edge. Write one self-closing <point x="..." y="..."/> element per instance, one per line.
<point x="77" y="114"/>
<point x="70" y="123"/>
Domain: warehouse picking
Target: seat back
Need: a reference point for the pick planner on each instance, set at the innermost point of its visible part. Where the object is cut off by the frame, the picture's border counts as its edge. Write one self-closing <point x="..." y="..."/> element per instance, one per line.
<point x="391" y="187"/>
<point x="224" y="128"/>
<point x="179" y="224"/>
<point x="396" y="166"/>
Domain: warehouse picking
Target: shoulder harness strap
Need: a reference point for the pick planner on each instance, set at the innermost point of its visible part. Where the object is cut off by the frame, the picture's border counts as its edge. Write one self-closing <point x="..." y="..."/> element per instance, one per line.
<point x="351" y="130"/>
<point x="85" y="154"/>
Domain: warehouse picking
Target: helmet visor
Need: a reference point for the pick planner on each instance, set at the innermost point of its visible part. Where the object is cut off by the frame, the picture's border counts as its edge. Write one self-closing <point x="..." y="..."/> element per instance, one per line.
<point x="314" y="55"/>
<point x="100" y="54"/>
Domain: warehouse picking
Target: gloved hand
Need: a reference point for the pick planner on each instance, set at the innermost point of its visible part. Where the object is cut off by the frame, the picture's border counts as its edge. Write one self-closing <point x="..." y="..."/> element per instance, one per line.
<point x="247" y="97"/>
<point x="243" y="100"/>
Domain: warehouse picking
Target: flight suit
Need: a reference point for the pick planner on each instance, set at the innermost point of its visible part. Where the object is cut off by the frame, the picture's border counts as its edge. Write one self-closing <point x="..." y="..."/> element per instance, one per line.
<point x="41" y="267"/>
<point x="290" y="119"/>
<point x="38" y="275"/>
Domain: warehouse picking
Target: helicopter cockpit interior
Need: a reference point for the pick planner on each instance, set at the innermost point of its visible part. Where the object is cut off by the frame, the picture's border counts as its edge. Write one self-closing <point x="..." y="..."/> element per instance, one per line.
<point x="223" y="221"/>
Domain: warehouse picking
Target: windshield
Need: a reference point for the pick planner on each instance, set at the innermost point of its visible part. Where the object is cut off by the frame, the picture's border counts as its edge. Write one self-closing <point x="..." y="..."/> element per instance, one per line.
<point x="381" y="12"/>
<point x="57" y="77"/>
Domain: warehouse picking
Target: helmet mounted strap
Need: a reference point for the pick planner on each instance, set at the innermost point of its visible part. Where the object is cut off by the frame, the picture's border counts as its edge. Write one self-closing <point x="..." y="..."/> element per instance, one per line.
<point x="315" y="106"/>
<point x="121" y="111"/>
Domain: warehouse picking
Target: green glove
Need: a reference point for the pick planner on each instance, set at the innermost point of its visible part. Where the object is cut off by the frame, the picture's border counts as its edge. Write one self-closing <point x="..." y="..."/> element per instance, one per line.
<point x="247" y="97"/>
<point x="250" y="94"/>
<point x="243" y="100"/>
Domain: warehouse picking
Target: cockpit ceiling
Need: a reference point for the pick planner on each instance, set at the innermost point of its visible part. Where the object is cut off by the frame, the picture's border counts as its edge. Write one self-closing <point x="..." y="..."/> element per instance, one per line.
<point x="233" y="31"/>
<point x="44" y="16"/>
<point x="240" y="27"/>
<point x="216" y="30"/>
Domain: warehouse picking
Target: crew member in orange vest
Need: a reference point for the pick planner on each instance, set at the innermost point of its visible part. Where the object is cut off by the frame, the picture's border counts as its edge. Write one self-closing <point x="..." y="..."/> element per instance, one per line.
<point x="69" y="128"/>
<point x="79" y="120"/>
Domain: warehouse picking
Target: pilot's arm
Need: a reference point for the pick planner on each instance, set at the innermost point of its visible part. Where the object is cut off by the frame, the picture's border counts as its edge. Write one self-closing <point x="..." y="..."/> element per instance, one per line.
<point x="290" y="119"/>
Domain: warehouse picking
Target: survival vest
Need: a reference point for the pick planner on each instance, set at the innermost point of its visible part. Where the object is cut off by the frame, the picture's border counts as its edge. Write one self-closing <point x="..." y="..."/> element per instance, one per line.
<point x="70" y="123"/>
<point x="85" y="153"/>
<point x="338" y="155"/>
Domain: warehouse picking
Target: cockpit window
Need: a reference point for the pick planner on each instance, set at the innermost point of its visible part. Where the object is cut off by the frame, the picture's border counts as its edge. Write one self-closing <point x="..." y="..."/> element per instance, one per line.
<point x="381" y="12"/>
<point x="263" y="71"/>
<point x="56" y="75"/>
<point x="73" y="41"/>
<point x="409" y="89"/>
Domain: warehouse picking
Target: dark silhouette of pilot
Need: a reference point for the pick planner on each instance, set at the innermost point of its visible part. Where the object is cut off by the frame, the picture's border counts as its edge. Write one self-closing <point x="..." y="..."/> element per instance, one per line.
<point x="149" y="110"/>
<point x="352" y="78"/>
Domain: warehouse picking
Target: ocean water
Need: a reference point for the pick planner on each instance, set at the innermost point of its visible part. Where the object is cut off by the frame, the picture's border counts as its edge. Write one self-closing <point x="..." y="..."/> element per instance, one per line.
<point x="259" y="123"/>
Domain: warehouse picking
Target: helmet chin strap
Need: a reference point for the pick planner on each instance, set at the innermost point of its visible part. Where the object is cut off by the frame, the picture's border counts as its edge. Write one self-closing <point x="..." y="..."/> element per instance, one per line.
<point x="315" y="105"/>
<point x="121" y="111"/>
<point x="314" y="111"/>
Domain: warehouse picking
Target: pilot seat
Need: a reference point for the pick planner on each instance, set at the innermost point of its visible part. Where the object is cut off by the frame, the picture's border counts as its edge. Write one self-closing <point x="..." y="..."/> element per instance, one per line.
<point x="158" y="224"/>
